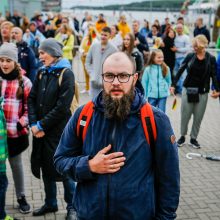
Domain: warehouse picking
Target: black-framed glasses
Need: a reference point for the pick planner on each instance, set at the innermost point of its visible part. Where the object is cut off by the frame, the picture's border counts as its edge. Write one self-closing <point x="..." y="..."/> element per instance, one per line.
<point x="122" y="77"/>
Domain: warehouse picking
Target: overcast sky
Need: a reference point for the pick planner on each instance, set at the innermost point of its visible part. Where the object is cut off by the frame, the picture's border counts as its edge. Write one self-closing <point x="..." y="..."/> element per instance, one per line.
<point x="71" y="3"/>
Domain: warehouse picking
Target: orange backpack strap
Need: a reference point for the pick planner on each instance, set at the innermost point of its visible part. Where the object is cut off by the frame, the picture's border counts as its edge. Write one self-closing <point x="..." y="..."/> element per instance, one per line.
<point x="84" y="119"/>
<point x="149" y="125"/>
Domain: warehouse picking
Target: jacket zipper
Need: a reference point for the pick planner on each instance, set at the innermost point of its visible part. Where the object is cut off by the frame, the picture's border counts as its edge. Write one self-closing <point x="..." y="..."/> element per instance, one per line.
<point x="158" y="82"/>
<point x="109" y="175"/>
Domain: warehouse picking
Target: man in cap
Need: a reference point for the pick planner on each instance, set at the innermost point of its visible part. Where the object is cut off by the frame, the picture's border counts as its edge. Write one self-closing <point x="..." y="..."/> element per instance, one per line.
<point x="49" y="111"/>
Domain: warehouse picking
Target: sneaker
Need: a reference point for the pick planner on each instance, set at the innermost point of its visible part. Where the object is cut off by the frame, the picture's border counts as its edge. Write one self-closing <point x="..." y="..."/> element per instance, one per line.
<point x="23" y="206"/>
<point x="194" y="143"/>
<point x="181" y="141"/>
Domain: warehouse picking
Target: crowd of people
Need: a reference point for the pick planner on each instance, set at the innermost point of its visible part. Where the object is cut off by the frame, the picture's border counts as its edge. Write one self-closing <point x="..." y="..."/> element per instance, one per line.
<point x="124" y="67"/>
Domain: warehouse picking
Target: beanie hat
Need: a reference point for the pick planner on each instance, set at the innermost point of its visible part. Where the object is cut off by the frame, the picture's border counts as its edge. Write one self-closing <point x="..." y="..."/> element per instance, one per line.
<point x="52" y="47"/>
<point x="10" y="51"/>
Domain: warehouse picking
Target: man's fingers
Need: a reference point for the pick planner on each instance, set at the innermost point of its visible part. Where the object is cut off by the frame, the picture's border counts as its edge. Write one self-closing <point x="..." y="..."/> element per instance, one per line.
<point x="113" y="170"/>
<point x="105" y="149"/>
<point x="114" y="155"/>
<point x="116" y="165"/>
<point x="116" y="160"/>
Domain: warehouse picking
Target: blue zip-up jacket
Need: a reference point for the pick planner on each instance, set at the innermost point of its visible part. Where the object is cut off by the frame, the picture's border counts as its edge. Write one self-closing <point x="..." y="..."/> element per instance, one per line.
<point x="155" y="85"/>
<point x="27" y="60"/>
<point x="129" y="193"/>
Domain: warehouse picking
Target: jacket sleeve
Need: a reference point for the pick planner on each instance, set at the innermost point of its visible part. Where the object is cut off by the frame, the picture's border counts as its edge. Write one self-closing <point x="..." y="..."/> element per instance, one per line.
<point x="27" y="88"/>
<point x="180" y="71"/>
<point x="213" y="67"/>
<point x="145" y="81"/>
<point x="166" y="166"/>
<point x="32" y="64"/>
<point x="143" y="46"/>
<point x="88" y="63"/>
<point x="168" y="77"/>
<point x="139" y="62"/>
<point x="63" y="104"/>
<point x="70" y="44"/>
<point x="32" y="99"/>
<point x="68" y="158"/>
<point x="218" y="43"/>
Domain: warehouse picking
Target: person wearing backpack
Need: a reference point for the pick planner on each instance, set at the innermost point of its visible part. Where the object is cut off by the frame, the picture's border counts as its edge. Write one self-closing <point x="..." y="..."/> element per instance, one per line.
<point x="49" y="106"/>
<point x="118" y="148"/>
<point x="15" y="89"/>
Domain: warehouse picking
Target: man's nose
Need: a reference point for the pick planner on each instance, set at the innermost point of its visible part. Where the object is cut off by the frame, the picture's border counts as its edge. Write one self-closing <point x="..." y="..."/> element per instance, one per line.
<point x="116" y="81"/>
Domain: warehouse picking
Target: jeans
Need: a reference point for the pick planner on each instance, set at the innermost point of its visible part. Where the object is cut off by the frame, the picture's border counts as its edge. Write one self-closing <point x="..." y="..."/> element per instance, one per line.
<point x="3" y="188"/>
<point x="160" y="103"/>
<point x="179" y="85"/>
<point x="51" y="192"/>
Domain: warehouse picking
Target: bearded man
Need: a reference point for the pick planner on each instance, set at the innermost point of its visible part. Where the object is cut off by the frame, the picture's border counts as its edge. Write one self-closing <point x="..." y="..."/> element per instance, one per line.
<point x="117" y="175"/>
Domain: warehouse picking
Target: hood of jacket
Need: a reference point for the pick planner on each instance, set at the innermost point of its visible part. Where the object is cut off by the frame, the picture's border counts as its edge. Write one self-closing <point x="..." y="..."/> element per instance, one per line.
<point x="22" y="44"/>
<point x="60" y="64"/>
<point x="201" y="28"/>
<point x="135" y="50"/>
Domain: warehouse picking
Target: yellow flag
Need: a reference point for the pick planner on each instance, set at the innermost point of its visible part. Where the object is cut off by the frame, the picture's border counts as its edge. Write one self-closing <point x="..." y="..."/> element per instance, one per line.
<point x="174" y="103"/>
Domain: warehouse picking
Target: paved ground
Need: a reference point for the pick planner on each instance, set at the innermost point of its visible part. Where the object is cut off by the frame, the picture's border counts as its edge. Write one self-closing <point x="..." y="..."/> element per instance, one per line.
<point x="200" y="178"/>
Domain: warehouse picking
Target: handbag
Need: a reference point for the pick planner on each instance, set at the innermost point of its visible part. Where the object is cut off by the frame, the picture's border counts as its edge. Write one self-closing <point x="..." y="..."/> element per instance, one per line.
<point x="192" y="94"/>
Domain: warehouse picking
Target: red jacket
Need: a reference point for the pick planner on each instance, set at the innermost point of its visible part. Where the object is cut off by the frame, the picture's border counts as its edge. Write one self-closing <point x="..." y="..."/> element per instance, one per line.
<point x="13" y="108"/>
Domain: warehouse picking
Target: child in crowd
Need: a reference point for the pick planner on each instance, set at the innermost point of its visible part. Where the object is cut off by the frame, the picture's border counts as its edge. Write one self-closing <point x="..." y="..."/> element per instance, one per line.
<point x="156" y="80"/>
<point x="14" y="89"/>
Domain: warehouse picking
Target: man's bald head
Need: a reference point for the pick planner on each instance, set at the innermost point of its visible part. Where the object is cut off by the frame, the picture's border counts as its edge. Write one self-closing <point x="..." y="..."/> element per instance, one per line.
<point x="120" y="58"/>
<point x="16" y="34"/>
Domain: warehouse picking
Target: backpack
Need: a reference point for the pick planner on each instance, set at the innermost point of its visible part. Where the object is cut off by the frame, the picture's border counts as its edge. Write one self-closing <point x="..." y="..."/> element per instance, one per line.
<point x="75" y="102"/>
<point x="147" y="119"/>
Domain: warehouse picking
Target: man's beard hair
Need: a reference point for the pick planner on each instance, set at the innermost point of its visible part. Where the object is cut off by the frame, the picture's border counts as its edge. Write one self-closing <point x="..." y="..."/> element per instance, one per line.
<point x="118" y="108"/>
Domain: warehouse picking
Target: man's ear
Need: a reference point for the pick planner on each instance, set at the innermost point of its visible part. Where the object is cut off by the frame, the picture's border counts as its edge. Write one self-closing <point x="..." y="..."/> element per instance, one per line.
<point x="135" y="78"/>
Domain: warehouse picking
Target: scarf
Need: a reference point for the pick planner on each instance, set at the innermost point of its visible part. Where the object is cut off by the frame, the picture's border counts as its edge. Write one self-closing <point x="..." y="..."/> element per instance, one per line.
<point x="10" y="76"/>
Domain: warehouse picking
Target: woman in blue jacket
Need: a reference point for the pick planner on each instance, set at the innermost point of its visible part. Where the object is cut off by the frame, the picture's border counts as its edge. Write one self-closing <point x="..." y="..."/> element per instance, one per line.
<point x="156" y="80"/>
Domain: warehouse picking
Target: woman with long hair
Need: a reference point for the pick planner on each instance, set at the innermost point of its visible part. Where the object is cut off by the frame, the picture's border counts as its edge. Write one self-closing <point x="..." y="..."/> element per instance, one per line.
<point x="168" y="48"/>
<point x="66" y="37"/>
<point x="15" y="89"/>
<point x="129" y="48"/>
<point x="156" y="80"/>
